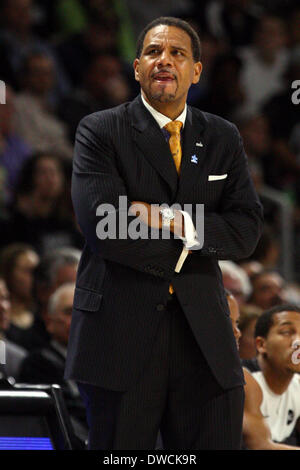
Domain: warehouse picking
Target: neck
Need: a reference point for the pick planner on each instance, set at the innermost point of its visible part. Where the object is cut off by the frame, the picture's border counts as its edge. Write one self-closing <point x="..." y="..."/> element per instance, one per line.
<point x="278" y="381"/>
<point x="171" y="109"/>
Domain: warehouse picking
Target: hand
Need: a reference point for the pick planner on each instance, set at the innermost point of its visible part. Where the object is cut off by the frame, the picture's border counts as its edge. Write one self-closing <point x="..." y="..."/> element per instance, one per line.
<point x="150" y="215"/>
<point x="147" y="213"/>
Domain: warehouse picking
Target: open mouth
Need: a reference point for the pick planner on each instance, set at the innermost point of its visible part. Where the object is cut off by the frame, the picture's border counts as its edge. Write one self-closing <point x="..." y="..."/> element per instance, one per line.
<point x="164" y="77"/>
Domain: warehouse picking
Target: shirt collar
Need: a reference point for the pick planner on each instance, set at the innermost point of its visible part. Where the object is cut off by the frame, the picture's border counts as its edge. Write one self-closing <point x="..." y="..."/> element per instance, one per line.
<point x="161" y="119"/>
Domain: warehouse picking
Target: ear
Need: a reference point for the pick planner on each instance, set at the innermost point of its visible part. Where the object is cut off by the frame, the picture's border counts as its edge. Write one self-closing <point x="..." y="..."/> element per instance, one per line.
<point x="136" y="69"/>
<point x="260" y="344"/>
<point x="197" y="72"/>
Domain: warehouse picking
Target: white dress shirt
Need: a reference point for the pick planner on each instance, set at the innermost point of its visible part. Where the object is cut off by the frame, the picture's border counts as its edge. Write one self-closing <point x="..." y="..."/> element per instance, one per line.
<point x="190" y="234"/>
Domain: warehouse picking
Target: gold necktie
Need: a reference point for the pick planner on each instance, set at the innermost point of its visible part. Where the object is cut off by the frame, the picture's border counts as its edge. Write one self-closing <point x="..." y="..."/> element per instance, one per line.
<point x="173" y="127"/>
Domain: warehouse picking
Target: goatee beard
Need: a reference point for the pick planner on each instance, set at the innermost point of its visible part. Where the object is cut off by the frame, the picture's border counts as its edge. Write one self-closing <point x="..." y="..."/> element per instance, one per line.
<point x="163" y="97"/>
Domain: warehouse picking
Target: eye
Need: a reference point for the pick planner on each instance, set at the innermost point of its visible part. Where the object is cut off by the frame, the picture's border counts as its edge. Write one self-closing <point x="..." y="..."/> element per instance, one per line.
<point x="286" y="332"/>
<point x="153" y="51"/>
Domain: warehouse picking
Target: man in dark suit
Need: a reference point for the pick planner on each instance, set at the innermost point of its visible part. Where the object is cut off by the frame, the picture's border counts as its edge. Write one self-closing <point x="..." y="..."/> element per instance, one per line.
<point x="151" y="343"/>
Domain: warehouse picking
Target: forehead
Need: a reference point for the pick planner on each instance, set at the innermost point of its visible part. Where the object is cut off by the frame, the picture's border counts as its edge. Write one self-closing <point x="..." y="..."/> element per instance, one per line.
<point x="27" y="258"/>
<point x="269" y="280"/>
<point x="283" y="317"/>
<point x="168" y="34"/>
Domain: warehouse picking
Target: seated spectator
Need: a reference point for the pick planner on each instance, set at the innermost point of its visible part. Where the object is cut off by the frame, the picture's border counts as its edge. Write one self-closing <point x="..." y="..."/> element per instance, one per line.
<point x="13" y="149"/>
<point x="258" y="143"/>
<point x="294" y="30"/>
<point x="39" y="215"/>
<point x="211" y="49"/>
<point x="104" y="86"/>
<point x="247" y="322"/>
<point x="17" y="39"/>
<point x="46" y="365"/>
<point x="55" y="269"/>
<point x="283" y="116"/>
<point x="77" y="51"/>
<point x="232" y="22"/>
<point x="36" y="121"/>
<point x="268" y="289"/>
<point x="276" y="370"/>
<point x="225" y="95"/>
<point x="236" y="281"/>
<point x="251" y="267"/>
<point x="14" y="354"/>
<point x="17" y="263"/>
<point x="264" y="63"/>
<point x="256" y="431"/>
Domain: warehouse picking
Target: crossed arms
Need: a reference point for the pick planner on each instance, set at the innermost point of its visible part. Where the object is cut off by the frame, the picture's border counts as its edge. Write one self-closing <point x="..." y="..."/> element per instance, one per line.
<point x="96" y="180"/>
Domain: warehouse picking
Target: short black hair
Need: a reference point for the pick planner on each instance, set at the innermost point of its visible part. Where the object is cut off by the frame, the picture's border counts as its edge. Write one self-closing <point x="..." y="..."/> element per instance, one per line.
<point x="178" y="23"/>
<point x="265" y="320"/>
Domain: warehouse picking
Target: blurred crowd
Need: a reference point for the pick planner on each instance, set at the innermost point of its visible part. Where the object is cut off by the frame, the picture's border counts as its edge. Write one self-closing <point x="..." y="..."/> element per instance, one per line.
<point x="61" y="60"/>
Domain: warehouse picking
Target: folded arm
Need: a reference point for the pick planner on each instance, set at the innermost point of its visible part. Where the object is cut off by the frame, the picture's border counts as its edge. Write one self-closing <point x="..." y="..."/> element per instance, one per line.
<point x="96" y="181"/>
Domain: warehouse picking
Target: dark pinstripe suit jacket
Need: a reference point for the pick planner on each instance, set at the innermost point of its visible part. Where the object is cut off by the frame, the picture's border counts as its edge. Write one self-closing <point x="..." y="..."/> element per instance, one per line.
<point x="122" y="284"/>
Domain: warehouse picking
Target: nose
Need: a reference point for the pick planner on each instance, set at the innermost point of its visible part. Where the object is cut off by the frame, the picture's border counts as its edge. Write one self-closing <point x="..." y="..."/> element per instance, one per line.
<point x="165" y="58"/>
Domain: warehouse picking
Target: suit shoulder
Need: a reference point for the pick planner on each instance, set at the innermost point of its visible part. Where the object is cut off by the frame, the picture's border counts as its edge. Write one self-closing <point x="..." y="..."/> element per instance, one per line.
<point x="215" y="123"/>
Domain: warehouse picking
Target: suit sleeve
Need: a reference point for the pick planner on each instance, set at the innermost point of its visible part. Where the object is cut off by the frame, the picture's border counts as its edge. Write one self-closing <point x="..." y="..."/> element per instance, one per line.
<point x="233" y="232"/>
<point x="97" y="181"/>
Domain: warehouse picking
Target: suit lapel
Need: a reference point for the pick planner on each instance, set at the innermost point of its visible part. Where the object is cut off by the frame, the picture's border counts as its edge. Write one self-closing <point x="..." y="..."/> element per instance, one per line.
<point x="192" y="155"/>
<point x="150" y="140"/>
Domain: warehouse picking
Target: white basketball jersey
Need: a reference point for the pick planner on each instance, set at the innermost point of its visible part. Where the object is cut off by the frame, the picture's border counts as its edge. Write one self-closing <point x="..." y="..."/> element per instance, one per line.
<point x="280" y="411"/>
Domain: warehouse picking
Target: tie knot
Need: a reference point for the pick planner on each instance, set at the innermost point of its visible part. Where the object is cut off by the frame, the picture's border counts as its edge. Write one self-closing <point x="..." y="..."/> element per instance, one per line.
<point x="173" y="127"/>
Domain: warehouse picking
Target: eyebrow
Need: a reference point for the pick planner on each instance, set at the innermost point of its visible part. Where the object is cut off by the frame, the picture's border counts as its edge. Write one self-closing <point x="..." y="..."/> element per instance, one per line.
<point x="286" y="323"/>
<point x="150" y="46"/>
